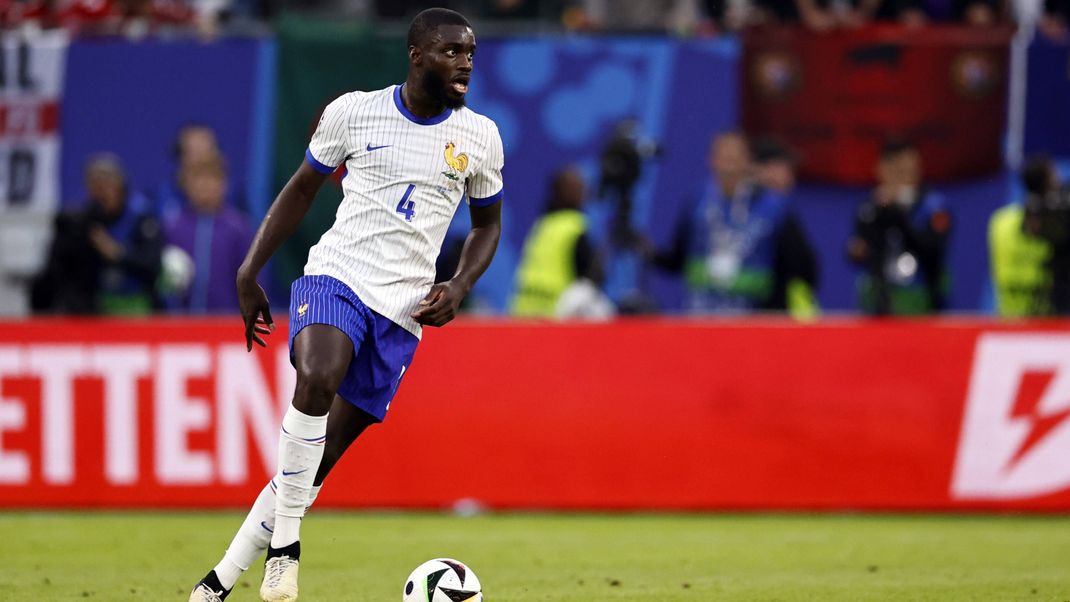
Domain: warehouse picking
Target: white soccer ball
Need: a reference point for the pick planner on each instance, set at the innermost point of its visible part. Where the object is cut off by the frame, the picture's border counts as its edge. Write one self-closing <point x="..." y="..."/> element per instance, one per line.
<point x="442" y="580"/>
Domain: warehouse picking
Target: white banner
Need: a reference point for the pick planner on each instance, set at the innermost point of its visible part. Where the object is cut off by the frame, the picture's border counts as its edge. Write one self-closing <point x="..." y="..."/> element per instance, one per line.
<point x="32" y="65"/>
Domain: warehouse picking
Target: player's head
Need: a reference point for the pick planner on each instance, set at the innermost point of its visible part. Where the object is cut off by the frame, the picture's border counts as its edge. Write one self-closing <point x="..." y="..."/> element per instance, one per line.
<point x="441" y="48"/>
<point x="105" y="182"/>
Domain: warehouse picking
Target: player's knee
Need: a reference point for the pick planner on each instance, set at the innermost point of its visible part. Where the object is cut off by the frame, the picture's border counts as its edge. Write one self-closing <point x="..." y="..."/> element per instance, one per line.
<point x="315" y="389"/>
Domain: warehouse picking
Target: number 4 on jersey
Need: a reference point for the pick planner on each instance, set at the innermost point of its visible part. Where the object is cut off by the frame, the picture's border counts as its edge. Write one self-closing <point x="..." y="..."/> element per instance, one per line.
<point x="405" y="206"/>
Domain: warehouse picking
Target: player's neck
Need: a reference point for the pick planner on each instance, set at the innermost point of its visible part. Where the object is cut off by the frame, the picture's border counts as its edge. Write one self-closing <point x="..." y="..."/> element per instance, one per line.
<point x="419" y="102"/>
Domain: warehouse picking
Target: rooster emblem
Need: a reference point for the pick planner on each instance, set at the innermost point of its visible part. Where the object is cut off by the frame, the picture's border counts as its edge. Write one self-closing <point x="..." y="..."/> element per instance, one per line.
<point x="457" y="162"/>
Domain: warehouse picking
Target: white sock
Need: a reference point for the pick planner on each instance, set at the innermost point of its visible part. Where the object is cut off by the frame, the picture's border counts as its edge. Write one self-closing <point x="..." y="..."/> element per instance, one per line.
<point x="300" y="451"/>
<point x="253" y="537"/>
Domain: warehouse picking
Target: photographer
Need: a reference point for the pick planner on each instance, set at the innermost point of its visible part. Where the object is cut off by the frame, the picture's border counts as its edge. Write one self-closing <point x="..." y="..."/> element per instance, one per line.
<point x="739" y="247"/>
<point x="1047" y="218"/>
<point x="105" y="255"/>
<point x="900" y="239"/>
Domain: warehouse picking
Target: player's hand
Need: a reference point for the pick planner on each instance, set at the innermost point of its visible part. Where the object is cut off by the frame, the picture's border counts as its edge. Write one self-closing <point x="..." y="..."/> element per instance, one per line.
<point x="253" y="302"/>
<point x="440" y="305"/>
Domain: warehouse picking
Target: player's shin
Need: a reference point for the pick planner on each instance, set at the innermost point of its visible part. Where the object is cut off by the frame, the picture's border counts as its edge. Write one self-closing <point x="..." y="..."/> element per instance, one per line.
<point x="253" y="537"/>
<point x="300" y="451"/>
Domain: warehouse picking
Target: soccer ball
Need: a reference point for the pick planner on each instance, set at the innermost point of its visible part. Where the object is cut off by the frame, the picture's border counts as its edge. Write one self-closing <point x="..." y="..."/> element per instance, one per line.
<point x="442" y="580"/>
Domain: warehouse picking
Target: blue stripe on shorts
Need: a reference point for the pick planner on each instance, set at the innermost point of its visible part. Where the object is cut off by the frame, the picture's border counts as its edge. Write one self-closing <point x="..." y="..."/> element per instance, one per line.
<point x="382" y="350"/>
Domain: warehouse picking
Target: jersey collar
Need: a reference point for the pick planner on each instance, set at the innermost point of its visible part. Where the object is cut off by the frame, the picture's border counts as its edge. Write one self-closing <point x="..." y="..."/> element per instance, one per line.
<point x="413" y="118"/>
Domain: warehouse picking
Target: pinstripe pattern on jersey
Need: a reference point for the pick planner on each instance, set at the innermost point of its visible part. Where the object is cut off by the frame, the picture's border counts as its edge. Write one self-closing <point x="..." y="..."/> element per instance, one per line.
<point x="386" y="259"/>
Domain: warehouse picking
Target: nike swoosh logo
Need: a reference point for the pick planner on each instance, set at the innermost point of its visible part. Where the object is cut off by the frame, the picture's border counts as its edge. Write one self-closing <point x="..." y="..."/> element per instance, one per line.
<point x="375" y="148"/>
<point x="266" y="528"/>
<point x="290" y="474"/>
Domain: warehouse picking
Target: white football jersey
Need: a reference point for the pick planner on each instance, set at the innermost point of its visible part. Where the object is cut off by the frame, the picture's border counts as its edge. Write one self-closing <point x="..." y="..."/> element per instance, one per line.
<point x="406" y="176"/>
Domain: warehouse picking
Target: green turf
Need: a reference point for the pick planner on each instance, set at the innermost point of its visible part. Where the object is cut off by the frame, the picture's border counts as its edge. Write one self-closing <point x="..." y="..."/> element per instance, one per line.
<point x="521" y="557"/>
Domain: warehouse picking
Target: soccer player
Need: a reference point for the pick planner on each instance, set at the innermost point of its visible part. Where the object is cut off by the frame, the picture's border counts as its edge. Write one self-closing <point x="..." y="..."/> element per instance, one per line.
<point x="412" y="153"/>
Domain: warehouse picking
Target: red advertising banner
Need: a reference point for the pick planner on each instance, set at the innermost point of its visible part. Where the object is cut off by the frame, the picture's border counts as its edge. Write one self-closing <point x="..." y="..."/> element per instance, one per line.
<point x="755" y="414"/>
<point x="836" y="97"/>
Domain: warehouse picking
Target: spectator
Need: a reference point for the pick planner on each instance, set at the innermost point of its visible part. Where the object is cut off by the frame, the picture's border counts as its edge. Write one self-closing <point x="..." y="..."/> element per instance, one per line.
<point x="657" y="16"/>
<point x="1053" y="23"/>
<point x="559" y="263"/>
<point x="195" y="143"/>
<point x="899" y="239"/>
<point x="1020" y="256"/>
<point x="774" y="165"/>
<point x="525" y="10"/>
<point x="105" y="256"/>
<point x="213" y="234"/>
<point x="775" y="171"/>
<point x="739" y="246"/>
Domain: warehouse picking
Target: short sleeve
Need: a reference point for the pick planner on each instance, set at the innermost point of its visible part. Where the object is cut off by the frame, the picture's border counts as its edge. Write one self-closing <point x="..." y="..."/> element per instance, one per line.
<point x="330" y="144"/>
<point x="485" y="186"/>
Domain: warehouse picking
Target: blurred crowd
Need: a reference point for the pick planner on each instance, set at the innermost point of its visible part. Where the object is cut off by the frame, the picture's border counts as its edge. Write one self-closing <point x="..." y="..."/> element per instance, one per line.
<point x="739" y="247"/>
<point x="136" y="18"/>
<point x="175" y="248"/>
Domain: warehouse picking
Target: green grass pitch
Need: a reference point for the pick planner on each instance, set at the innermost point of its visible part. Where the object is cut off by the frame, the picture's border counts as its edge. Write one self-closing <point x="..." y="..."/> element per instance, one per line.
<point x="527" y="557"/>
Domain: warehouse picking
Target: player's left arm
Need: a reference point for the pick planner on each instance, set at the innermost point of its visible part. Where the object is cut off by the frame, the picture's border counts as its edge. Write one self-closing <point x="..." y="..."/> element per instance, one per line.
<point x="441" y="303"/>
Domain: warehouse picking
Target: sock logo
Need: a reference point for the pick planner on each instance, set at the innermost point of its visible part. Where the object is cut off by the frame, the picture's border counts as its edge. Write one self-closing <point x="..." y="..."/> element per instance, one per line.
<point x="1015" y="435"/>
<point x="290" y="474"/>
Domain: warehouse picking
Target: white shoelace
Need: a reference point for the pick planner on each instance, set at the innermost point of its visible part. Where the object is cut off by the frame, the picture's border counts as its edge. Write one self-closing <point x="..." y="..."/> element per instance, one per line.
<point x="209" y="595"/>
<point x="276" y="568"/>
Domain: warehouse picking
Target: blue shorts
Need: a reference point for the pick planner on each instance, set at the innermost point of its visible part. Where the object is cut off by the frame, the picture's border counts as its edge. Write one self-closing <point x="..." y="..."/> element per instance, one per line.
<point x="382" y="350"/>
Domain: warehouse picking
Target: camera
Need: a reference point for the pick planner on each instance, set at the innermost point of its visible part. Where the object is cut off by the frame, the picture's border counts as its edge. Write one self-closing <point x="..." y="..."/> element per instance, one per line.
<point x="621" y="167"/>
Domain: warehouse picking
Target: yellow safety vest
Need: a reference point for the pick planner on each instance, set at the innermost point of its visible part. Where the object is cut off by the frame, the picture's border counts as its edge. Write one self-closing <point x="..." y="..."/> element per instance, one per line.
<point x="547" y="267"/>
<point x="1020" y="273"/>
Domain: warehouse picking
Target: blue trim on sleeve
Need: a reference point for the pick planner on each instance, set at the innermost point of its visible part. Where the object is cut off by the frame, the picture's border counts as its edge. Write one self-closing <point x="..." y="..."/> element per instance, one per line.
<point x="413" y="118"/>
<point x="486" y="201"/>
<point x="320" y="167"/>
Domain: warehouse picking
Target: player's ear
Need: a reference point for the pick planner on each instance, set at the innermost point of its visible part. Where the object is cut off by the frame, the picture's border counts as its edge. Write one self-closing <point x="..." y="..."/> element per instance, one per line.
<point x="415" y="55"/>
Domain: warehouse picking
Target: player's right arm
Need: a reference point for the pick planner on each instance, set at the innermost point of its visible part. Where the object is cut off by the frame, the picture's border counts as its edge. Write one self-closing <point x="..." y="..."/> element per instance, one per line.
<point x="326" y="151"/>
<point x="280" y="222"/>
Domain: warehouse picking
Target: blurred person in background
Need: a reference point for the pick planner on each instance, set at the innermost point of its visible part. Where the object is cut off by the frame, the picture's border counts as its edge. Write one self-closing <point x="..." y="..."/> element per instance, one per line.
<point x="824" y="15"/>
<point x="213" y="234"/>
<point x="774" y="169"/>
<point x="195" y="143"/>
<point x="656" y="16"/>
<point x="774" y="165"/>
<point x="132" y="18"/>
<point x="1020" y="257"/>
<point x="105" y="256"/>
<point x="900" y="239"/>
<point x="1055" y="20"/>
<point x="1047" y="215"/>
<point x="738" y="246"/>
<point x="560" y="272"/>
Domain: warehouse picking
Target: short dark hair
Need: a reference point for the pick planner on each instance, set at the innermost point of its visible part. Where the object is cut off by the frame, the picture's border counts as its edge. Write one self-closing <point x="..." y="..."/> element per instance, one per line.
<point x="427" y="21"/>
<point x="896" y="146"/>
<point x="768" y="149"/>
<point x="1036" y="175"/>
